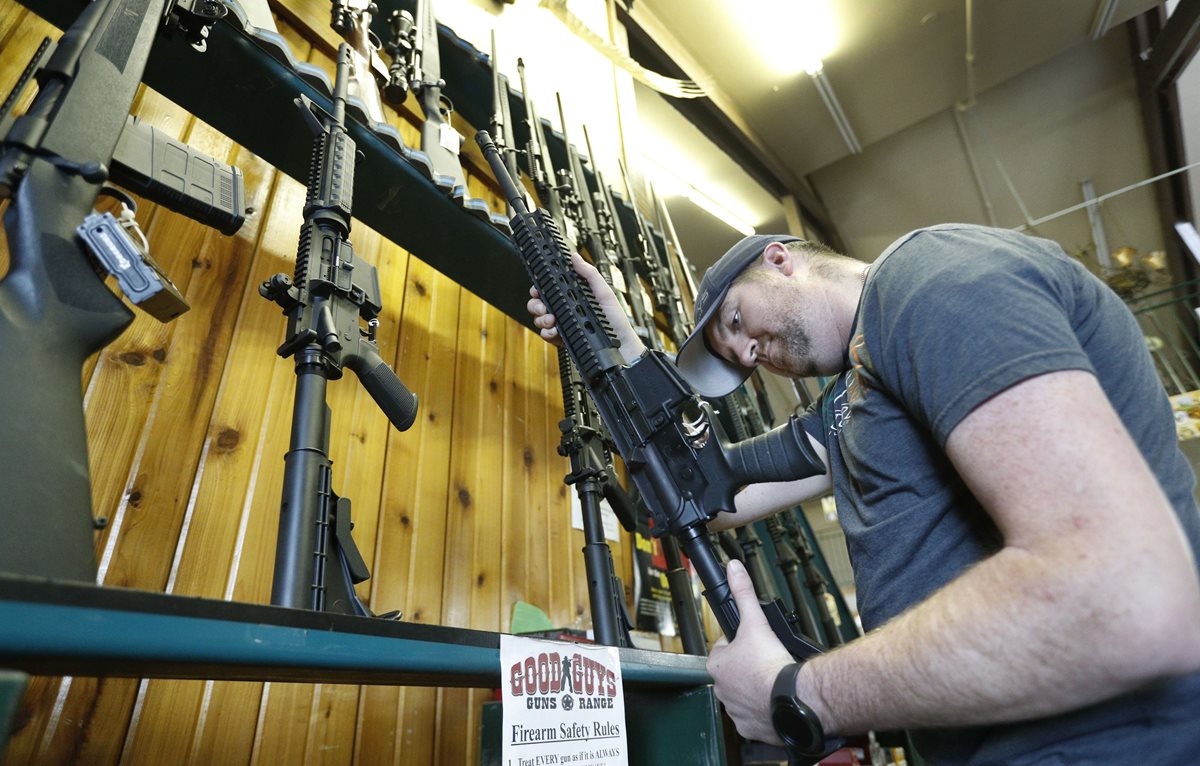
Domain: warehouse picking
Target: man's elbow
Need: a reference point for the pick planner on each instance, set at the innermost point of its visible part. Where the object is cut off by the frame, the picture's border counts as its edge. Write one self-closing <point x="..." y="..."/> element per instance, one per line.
<point x="1165" y="624"/>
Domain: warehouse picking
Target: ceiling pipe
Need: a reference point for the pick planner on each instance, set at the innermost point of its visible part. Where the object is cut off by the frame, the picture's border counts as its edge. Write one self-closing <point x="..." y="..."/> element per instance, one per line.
<point x="1104" y="15"/>
<point x="970" y="58"/>
<point x="962" y="107"/>
<point x="976" y="176"/>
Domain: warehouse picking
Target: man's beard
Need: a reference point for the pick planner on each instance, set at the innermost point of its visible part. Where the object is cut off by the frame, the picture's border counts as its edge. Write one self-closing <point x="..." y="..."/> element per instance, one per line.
<point x="793" y="341"/>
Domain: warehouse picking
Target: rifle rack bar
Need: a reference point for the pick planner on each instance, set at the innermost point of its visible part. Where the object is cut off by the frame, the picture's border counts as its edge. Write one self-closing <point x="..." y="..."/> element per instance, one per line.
<point x="60" y="628"/>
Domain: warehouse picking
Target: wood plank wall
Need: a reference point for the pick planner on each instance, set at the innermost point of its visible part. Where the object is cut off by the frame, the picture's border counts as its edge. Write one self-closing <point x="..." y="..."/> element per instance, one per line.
<point x="188" y="422"/>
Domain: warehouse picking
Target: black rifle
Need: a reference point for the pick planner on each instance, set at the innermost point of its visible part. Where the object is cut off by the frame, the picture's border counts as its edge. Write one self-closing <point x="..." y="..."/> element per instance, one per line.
<point x="584" y="440"/>
<point x="815" y="581"/>
<point x="316" y="561"/>
<point x="672" y="443"/>
<point x="580" y="206"/>
<point x="790" y="539"/>
<point x="614" y="234"/>
<point x="586" y="443"/>
<point x="502" y="126"/>
<point x="597" y="233"/>
<point x="55" y="309"/>
<point x="747" y="422"/>
<point x="540" y="167"/>
<point x="650" y="265"/>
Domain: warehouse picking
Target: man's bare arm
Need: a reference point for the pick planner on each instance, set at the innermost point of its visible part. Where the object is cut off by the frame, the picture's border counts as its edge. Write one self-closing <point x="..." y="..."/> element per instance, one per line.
<point x="1094" y="593"/>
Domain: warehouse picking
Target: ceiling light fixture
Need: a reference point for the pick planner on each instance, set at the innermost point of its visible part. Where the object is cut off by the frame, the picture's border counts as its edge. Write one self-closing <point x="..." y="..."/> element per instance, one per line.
<point x="668" y="182"/>
<point x="790" y="35"/>
<point x="835" y="108"/>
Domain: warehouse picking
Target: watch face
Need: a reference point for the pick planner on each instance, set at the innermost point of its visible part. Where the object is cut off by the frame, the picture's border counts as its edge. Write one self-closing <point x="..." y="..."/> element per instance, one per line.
<point x="794" y="726"/>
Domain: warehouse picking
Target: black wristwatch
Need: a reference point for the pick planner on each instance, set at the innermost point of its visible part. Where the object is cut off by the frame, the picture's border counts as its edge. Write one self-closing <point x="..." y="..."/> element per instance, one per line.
<point x="795" y="722"/>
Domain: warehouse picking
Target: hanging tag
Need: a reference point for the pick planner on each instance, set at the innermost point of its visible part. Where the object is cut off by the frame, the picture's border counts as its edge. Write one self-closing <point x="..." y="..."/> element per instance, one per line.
<point x="138" y="276"/>
<point x="449" y="138"/>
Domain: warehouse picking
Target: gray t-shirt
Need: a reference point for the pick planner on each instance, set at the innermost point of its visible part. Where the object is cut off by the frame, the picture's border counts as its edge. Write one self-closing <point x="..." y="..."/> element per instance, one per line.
<point x="951" y="316"/>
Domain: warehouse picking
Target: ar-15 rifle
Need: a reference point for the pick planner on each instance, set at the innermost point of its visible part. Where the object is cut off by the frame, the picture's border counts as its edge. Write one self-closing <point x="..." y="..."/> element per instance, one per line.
<point x="316" y="561"/>
<point x="671" y="441"/>
<point x="55" y="309"/>
<point x="584" y="439"/>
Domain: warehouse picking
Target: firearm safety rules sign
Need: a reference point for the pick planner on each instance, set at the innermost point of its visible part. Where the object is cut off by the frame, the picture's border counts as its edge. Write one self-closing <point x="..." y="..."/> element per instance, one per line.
<point x="563" y="704"/>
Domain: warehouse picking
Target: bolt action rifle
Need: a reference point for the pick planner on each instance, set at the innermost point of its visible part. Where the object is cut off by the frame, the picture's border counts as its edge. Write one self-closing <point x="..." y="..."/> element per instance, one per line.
<point x="316" y="561"/>
<point x="352" y="20"/>
<point x="55" y="308"/>
<point x="673" y="445"/>
<point x="580" y="207"/>
<point x="439" y="140"/>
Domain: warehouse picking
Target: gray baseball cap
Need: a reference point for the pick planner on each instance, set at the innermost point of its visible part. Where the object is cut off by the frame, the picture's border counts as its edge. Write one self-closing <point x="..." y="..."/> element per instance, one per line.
<point x="700" y="366"/>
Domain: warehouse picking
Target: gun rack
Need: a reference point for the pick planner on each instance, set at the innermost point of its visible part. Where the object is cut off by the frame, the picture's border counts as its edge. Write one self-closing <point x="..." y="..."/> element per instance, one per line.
<point x="244" y="85"/>
<point x="59" y="628"/>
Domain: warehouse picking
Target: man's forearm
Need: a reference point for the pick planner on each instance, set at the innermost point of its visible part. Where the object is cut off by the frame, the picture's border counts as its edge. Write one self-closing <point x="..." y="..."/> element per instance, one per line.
<point x="1018" y="636"/>
<point x="758" y="501"/>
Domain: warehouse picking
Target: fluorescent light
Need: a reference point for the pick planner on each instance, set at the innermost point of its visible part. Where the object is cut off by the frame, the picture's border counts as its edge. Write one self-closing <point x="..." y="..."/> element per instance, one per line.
<point x="790" y="35"/>
<point x="835" y="110"/>
<point x="670" y="183"/>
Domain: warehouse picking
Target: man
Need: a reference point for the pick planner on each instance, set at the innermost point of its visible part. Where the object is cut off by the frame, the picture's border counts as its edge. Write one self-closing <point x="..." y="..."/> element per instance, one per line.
<point x="1017" y="511"/>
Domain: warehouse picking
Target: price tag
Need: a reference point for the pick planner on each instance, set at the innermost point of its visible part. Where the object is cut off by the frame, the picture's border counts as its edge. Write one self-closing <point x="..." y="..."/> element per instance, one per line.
<point x="449" y="138"/>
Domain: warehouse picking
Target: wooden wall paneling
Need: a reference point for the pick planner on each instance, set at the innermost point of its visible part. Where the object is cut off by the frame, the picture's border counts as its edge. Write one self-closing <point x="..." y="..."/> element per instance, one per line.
<point x="485" y="575"/>
<point x="519" y="461"/>
<point x="164" y="717"/>
<point x="396" y="725"/>
<point x="375" y="726"/>
<point x="12" y="16"/>
<point x="245" y="484"/>
<point x="474" y="503"/>
<point x="544" y="475"/>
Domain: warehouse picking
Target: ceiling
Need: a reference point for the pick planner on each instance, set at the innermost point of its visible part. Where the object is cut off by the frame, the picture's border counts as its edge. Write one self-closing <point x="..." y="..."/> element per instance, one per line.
<point x="895" y="64"/>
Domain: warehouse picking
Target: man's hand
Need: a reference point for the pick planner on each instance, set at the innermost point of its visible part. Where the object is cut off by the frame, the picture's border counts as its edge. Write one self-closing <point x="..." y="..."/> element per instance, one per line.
<point x="631" y="345"/>
<point x="745" y="670"/>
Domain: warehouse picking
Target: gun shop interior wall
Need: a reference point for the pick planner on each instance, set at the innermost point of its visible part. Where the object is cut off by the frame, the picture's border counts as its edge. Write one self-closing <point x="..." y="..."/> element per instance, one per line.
<point x="457" y="518"/>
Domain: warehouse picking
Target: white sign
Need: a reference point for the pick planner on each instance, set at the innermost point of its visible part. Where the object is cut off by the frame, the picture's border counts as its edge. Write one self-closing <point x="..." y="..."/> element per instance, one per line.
<point x="563" y="704"/>
<point x="608" y="518"/>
